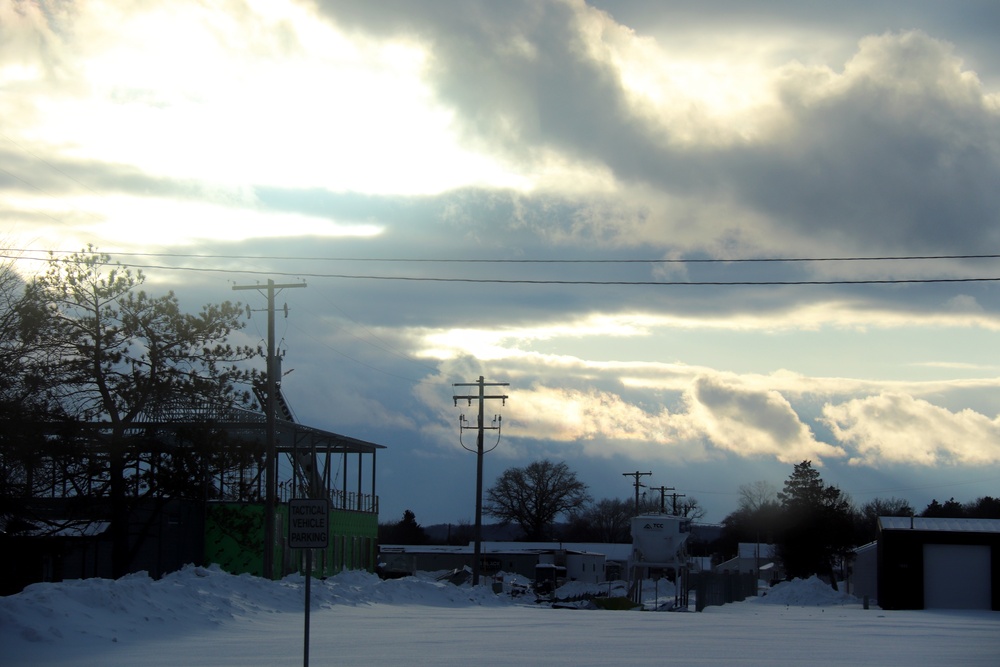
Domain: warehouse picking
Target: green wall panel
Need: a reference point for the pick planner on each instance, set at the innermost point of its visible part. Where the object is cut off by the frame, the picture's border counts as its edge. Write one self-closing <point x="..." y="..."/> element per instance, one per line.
<point x="234" y="533"/>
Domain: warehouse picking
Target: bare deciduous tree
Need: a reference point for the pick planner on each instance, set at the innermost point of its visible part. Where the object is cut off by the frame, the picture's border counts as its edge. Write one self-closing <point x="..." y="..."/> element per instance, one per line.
<point x="533" y="496"/>
<point x="757" y="495"/>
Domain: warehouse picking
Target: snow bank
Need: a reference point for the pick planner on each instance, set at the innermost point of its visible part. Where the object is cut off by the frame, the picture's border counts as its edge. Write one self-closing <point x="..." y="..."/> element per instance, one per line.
<point x="200" y="596"/>
<point x="355" y="587"/>
<point x="204" y="616"/>
<point x="811" y="592"/>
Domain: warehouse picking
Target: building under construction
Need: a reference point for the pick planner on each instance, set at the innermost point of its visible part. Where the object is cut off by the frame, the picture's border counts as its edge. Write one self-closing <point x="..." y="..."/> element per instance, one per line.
<point x="193" y="489"/>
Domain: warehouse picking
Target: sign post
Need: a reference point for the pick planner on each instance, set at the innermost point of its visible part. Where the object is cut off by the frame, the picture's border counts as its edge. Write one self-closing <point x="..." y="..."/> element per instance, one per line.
<point x="308" y="528"/>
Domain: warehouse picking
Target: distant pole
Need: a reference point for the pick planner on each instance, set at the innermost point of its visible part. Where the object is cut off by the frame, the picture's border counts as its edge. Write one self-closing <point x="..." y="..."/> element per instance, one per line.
<point x="663" y="498"/>
<point x="638" y="485"/>
<point x="481" y="427"/>
<point x="270" y="454"/>
<point x="675" y="497"/>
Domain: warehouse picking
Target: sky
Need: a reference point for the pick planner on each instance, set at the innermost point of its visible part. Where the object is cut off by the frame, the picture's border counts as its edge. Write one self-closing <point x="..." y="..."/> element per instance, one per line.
<point x="596" y="203"/>
<point x="200" y="616"/>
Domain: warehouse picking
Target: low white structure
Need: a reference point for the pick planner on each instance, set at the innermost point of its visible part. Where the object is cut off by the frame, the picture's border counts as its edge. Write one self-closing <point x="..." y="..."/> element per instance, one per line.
<point x="754" y="558"/>
<point x="863" y="579"/>
<point x="582" y="562"/>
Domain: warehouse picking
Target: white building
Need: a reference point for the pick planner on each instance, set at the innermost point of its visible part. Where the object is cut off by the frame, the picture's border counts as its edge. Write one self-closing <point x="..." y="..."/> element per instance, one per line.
<point x="754" y="558"/>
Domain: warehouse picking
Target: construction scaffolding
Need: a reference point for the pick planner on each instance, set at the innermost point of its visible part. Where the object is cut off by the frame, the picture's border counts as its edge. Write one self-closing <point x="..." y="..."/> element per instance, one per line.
<point x="203" y="457"/>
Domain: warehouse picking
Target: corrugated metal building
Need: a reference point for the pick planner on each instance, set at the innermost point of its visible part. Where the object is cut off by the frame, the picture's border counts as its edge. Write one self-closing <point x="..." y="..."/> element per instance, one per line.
<point x="931" y="563"/>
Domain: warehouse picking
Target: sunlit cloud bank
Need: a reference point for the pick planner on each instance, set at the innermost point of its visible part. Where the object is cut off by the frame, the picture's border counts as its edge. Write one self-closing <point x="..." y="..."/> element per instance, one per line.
<point x="168" y="223"/>
<point x="719" y="415"/>
<point x="714" y="417"/>
<point x="681" y="412"/>
<point x="896" y="428"/>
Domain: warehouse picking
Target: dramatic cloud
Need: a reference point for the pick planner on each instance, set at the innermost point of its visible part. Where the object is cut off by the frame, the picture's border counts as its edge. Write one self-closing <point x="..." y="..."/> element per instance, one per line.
<point x="754" y="423"/>
<point x="558" y="194"/>
<point x="894" y="428"/>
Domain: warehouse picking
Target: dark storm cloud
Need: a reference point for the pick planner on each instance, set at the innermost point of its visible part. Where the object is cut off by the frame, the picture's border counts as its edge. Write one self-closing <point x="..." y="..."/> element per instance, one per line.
<point x="902" y="158"/>
<point x="899" y="155"/>
<point x="517" y="71"/>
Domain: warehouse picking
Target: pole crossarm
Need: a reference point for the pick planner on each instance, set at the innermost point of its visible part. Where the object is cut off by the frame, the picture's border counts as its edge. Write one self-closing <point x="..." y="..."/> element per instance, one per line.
<point x="663" y="497"/>
<point x="266" y="287"/>
<point x="637" y="475"/>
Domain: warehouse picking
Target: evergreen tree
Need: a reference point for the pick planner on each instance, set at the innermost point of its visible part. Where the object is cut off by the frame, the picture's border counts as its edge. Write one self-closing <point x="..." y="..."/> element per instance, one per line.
<point x="818" y="524"/>
<point x="117" y="355"/>
<point x="404" y="531"/>
<point x="985" y="507"/>
<point x="951" y="509"/>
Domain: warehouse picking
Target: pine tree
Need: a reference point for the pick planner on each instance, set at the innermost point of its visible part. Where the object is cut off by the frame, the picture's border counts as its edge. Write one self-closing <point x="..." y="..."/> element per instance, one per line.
<point x="122" y="356"/>
<point x="818" y="524"/>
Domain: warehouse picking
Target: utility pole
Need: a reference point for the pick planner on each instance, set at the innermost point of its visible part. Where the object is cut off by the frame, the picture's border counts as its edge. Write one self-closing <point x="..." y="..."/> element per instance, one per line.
<point x="663" y="498"/>
<point x="270" y="410"/>
<point x="481" y="427"/>
<point x="638" y="484"/>
<point x="675" y="496"/>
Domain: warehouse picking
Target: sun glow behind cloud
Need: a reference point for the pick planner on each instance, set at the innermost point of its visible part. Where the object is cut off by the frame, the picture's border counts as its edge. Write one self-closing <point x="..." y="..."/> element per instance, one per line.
<point x="283" y="100"/>
<point x="124" y="222"/>
<point x="712" y="98"/>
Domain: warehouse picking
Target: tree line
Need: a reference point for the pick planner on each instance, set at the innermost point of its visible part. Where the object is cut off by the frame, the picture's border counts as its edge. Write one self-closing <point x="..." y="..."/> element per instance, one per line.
<point x="813" y="525"/>
<point x="532" y="498"/>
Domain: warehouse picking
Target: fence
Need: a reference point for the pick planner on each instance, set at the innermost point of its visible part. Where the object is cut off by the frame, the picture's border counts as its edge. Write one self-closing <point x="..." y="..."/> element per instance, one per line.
<point x="719" y="588"/>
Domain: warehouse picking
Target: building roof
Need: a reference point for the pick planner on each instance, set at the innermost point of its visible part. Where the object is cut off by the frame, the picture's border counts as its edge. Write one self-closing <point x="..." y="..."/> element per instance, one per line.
<point x="939" y="525"/>
<point x="246" y="425"/>
<point x="866" y="547"/>
<point x="610" y="551"/>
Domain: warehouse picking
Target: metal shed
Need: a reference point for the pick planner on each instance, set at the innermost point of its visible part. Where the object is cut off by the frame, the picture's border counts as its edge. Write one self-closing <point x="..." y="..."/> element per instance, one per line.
<point x="938" y="563"/>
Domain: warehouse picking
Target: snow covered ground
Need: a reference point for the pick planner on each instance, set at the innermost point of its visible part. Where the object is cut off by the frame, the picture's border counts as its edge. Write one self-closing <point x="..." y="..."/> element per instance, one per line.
<point x="203" y="616"/>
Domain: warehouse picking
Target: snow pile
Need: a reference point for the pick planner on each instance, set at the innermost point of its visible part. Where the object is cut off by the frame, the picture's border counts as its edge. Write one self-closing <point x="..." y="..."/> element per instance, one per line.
<point x="811" y="592"/>
<point x="107" y="608"/>
<point x="206" y="597"/>
<point x="204" y="616"/>
<point x="357" y="587"/>
<point x="200" y="596"/>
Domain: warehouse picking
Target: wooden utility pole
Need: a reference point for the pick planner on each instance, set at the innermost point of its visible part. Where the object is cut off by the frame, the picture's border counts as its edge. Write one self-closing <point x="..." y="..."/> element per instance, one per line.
<point x="638" y="485"/>
<point x="270" y="410"/>
<point x="675" y="496"/>
<point x="481" y="427"/>
<point x="663" y="498"/>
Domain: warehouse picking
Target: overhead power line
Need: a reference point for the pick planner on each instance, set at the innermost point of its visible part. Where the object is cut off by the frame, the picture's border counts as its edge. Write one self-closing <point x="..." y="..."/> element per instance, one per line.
<point x="550" y="281"/>
<point x="454" y="260"/>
